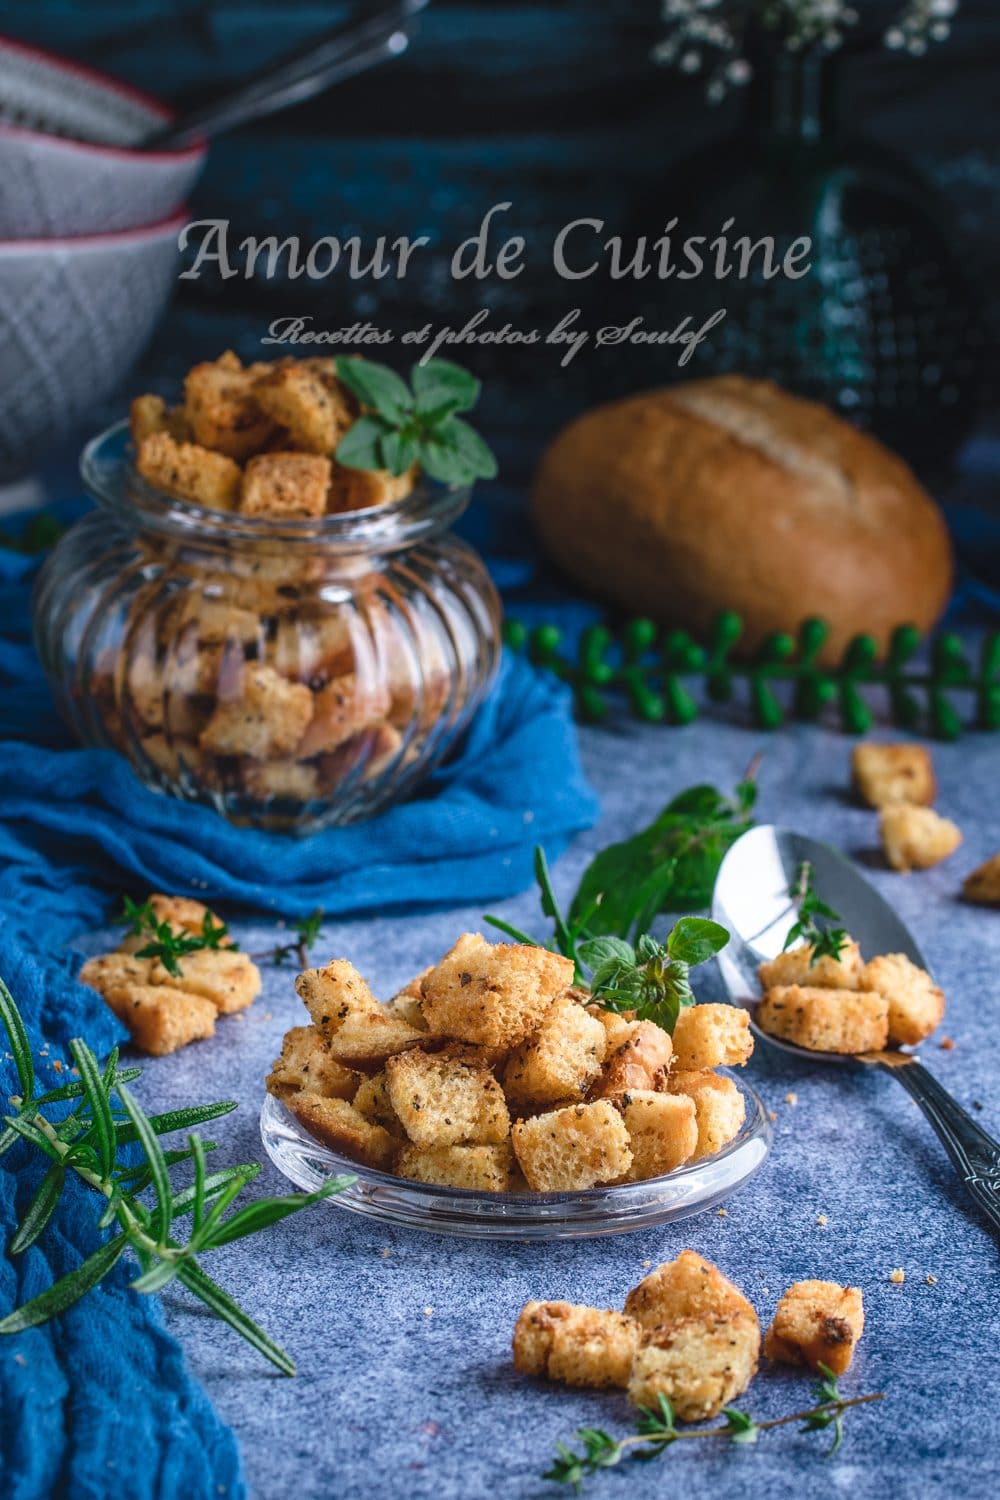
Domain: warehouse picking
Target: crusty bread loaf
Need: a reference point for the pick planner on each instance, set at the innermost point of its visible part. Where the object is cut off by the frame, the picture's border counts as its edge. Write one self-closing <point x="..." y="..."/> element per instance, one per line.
<point x="731" y="494"/>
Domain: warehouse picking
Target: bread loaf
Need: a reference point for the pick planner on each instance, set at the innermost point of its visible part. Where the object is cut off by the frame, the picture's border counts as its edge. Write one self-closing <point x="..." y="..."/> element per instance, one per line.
<point x="731" y="494"/>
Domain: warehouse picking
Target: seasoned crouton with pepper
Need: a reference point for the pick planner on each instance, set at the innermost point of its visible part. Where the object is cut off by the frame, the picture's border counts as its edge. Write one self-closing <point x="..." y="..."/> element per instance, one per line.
<point x="826" y="1020"/>
<point x="662" y="1131"/>
<point x="447" y="1098"/>
<point x="149" y="414"/>
<point x="575" y="1345"/>
<point x="796" y="966"/>
<point x="188" y="471"/>
<point x="360" y="1032"/>
<point x="229" y="979"/>
<point x="688" y="1287"/>
<point x="712" y="1036"/>
<point x="484" y="1169"/>
<point x="638" y="1057"/>
<point x="266" y="716"/>
<point x="573" y="1148"/>
<point x="160" y="1019"/>
<point x="115" y="970"/>
<point x="558" y="1061"/>
<point x="341" y="709"/>
<point x="817" y="1323"/>
<point x="338" y="1125"/>
<point x="312" y="407"/>
<point x="493" y="995"/>
<point x="887" y="774"/>
<point x="372" y="1100"/>
<point x="292" y="485"/>
<point x="983" y="885"/>
<point x="305" y="1066"/>
<point x="221" y="405"/>
<point x="699" y="1365"/>
<point x="719" y="1109"/>
<point x="915" y="838"/>
<point x="357" y="489"/>
<point x="916" y="1005"/>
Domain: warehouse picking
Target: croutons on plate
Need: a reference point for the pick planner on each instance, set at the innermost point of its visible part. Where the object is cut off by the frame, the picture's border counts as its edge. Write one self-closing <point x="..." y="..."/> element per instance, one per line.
<point x="305" y="1066"/>
<point x="886" y="774"/>
<point x="817" y="1322"/>
<point x="447" y="1098"/>
<point x="796" y="966"/>
<point x="158" y="1019"/>
<point x="292" y="485"/>
<point x="558" y="1061"/>
<point x="719" y="1109"/>
<point x="576" y="1345"/>
<point x="915" y="838"/>
<point x="662" y="1131"/>
<point x="360" y="1032"/>
<point x="712" y="1036"/>
<point x="490" y="994"/>
<point x="698" y="1364"/>
<point x="266" y="716"/>
<point x="484" y="1169"/>
<point x="916" y="1005"/>
<point x="573" y="1148"/>
<point x="826" y="1020"/>
<point x="340" y="1126"/>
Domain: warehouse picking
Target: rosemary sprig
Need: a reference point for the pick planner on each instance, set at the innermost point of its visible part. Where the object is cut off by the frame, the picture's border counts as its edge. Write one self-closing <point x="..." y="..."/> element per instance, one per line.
<point x="308" y="929"/>
<point x="656" y="1431"/>
<point x="88" y="1142"/>
<point x="814" y="915"/>
<point x="167" y="943"/>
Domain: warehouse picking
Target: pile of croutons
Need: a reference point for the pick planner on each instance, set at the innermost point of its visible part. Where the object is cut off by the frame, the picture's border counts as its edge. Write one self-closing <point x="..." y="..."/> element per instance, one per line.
<point x="259" y="439"/>
<point x="846" y="1005"/>
<point x="687" y="1333"/>
<point x="161" y="1010"/>
<point x="492" y="1072"/>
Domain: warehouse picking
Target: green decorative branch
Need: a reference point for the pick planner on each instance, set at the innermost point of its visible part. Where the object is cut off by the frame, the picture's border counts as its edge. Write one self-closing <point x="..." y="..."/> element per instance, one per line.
<point x="655" y="670"/>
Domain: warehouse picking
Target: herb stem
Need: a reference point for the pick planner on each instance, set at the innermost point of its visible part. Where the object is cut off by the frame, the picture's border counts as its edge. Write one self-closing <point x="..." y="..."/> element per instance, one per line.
<point x="639" y="1439"/>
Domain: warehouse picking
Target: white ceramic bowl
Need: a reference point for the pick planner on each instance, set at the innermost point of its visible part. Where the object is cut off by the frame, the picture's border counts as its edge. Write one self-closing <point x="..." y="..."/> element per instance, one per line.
<point x="67" y="163"/>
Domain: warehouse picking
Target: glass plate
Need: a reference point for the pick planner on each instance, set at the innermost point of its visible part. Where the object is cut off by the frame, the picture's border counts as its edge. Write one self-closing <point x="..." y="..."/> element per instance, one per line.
<point x="523" y="1216"/>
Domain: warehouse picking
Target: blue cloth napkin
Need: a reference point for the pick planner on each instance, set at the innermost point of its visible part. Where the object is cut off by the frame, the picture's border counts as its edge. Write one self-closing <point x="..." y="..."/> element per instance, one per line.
<point x="76" y="829"/>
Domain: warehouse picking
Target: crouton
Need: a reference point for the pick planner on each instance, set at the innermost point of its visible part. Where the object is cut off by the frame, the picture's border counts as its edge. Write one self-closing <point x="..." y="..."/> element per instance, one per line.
<point x="558" y="1061"/>
<point x="215" y="622"/>
<point x="146" y="415"/>
<point x="189" y="471"/>
<point x="574" y="1148"/>
<point x="915" y="838"/>
<point x="795" y="966"/>
<point x="662" y="1132"/>
<point x="266" y="719"/>
<point x="160" y="1020"/>
<point x="313" y="650"/>
<point x="637" y="1057"/>
<point x="339" y="1125"/>
<point x="222" y="408"/>
<point x="688" y="1287"/>
<point x="305" y="1066"/>
<point x="817" y="1323"/>
<point x="183" y="913"/>
<point x="699" y="1366"/>
<point x="916" y="1005"/>
<point x="493" y="994"/>
<point x="408" y="1003"/>
<point x="983" y="885"/>
<point x="712" y="1036"/>
<point x="285" y="485"/>
<point x="575" y="1345"/>
<point x="284" y="780"/>
<point x="483" y="1169"/>
<point x="885" y="774"/>
<point x="358" y="489"/>
<point x="360" y="1031"/>
<point x="447" y="1098"/>
<point x="114" y="970"/>
<point x="313" y="410"/>
<point x="372" y="1100"/>
<point x="719" y="1109"/>
<point x="340" y="710"/>
<point x="229" y="979"/>
<point x="826" y="1020"/>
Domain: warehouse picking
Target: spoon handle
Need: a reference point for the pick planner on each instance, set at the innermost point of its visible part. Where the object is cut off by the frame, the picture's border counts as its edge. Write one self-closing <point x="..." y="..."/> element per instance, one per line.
<point x="974" y="1154"/>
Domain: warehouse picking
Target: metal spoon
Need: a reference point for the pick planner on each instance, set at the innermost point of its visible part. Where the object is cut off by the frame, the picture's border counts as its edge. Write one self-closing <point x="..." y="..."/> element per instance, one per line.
<point x="751" y="899"/>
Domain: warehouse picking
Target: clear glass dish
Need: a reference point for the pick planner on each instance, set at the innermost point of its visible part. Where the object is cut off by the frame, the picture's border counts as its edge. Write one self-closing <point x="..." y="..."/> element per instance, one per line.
<point x="520" y="1216"/>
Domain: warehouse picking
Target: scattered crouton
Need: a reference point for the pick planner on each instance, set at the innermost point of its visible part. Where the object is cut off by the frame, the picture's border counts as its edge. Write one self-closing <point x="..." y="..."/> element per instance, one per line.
<point x="699" y="1365"/>
<point x="576" y="1345"/>
<point x="662" y="1132"/>
<point x="305" y="1066"/>
<point x="221" y="405"/>
<point x="189" y="471"/>
<point x="493" y="994"/>
<point x="826" y="1020"/>
<point x="688" y="1287"/>
<point x="111" y="971"/>
<point x="558" y="1061"/>
<point x="719" y="1109"/>
<point x="795" y="966"/>
<point x="712" y="1036"/>
<point x="915" y="838"/>
<point x="485" y="1169"/>
<point x="292" y="485"/>
<point x="573" y="1148"/>
<point x="983" y="885"/>
<point x="360" y="1031"/>
<point x="338" y="1125"/>
<point x="160" y="1020"/>
<point x="267" y="716"/>
<point x="638" y="1057"/>
<point x="817" y="1322"/>
<point x="888" y="774"/>
<point x="447" y="1098"/>
<point x="229" y="979"/>
<point x="916" y="1005"/>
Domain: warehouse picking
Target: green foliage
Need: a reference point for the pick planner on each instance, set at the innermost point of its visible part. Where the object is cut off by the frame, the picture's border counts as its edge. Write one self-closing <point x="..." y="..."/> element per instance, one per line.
<point x="167" y="943"/>
<point x="89" y="1140"/>
<point x="656" y="669"/>
<point x="307" y="930"/>
<point x="813" y="919"/>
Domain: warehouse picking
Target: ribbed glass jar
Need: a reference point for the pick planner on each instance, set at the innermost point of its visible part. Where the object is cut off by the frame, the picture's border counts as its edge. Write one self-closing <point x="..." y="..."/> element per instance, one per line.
<point x="292" y="674"/>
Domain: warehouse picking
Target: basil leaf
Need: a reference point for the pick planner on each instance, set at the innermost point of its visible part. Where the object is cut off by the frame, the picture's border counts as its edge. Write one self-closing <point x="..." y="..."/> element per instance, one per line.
<point x="376" y="386"/>
<point x="442" y="387"/>
<point x="694" y="940"/>
<point x="361" y="445"/>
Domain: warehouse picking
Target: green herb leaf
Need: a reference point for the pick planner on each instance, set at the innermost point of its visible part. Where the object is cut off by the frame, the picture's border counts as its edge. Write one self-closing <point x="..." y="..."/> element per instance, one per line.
<point x="442" y="387"/>
<point x="195" y="1279"/>
<point x="400" y="451"/>
<point x="40" y="1209"/>
<point x="511" y="932"/>
<point x="742" y="1427"/>
<point x="814" y="918"/>
<point x="58" y="1297"/>
<point x="20" y="1047"/>
<point x="376" y="386"/>
<point x="158" y="1276"/>
<point x="29" y="1131"/>
<point x="176" y="1119"/>
<point x="694" y="940"/>
<point x="597" y="953"/>
<point x="96" y="1096"/>
<point x="147" y="1138"/>
<point x="268" y="1211"/>
<point x="211" y="1186"/>
<point x="361" y="445"/>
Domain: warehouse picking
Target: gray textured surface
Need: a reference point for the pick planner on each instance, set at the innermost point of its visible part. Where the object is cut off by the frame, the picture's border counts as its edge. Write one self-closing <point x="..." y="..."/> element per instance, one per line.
<point x="402" y="1339"/>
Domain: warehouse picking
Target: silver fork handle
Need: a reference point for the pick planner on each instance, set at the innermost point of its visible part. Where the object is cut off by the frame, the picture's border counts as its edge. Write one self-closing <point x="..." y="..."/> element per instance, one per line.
<point x="974" y="1154"/>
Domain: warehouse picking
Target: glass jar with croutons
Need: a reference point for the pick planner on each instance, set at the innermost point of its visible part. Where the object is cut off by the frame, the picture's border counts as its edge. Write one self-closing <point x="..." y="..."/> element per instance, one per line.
<point x="254" y="625"/>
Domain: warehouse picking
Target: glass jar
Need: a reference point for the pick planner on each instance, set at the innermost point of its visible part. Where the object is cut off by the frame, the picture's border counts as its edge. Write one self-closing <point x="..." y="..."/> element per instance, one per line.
<point x="292" y="674"/>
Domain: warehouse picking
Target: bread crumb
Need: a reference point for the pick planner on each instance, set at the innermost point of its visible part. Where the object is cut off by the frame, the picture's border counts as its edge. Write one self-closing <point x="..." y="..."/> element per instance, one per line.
<point x="791" y="1098"/>
<point x="931" y="1280"/>
<point x="646" y="1264"/>
<point x="386" y="1253"/>
<point x="771" y="1115"/>
<point x="821" y="1219"/>
<point x="723" y="1213"/>
<point x="765" y="1291"/>
<point x="946" y="1044"/>
<point x="897" y="1277"/>
<point x="428" y="1312"/>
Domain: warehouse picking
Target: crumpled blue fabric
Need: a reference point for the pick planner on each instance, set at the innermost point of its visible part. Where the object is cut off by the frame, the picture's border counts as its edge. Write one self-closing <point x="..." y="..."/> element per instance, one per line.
<point x="99" y="1402"/>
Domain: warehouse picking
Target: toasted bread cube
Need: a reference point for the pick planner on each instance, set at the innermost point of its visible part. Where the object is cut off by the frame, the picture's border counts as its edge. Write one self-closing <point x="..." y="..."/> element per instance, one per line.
<point x="638" y="1057"/>
<point x="222" y="408"/>
<point x="268" y="717"/>
<point x="311" y="406"/>
<point x="558" y="1061"/>
<point x="160" y="1020"/>
<point x="286" y="780"/>
<point x="662" y="1132"/>
<point x="360" y="1032"/>
<point x="341" y="710"/>
<point x="573" y="1148"/>
<point x="719" y="1109"/>
<point x="408" y="1003"/>
<point x="483" y="1169"/>
<point x="493" y="995"/>
<point x="110" y="971"/>
<point x="712" y="1036"/>
<point x="699" y="1366"/>
<point x="447" y="1098"/>
<point x="339" y="1125"/>
<point x="817" y="1323"/>
<point x="189" y="471"/>
<point x="146" y="415"/>
<point x="795" y="966"/>
<point x="358" y="489"/>
<point x="576" y="1345"/>
<point x="688" y="1287"/>
<point x="372" y="1100"/>
<point x="285" y="485"/>
<point x="983" y="885"/>
<point x="305" y="1066"/>
<point x="229" y="979"/>
<point x="826" y="1020"/>
<point x="915" y="838"/>
<point x="916" y="1005"/>
<point x="884" y="774"/>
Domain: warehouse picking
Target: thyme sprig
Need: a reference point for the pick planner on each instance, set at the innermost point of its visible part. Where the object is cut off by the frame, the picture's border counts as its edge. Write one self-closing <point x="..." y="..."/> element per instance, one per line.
<point x="813" y="919"/>
<point x="91" y="1142"/>
<point x="308" y="929"/>
<point x="168" y="943"/>
<point x="656" y="1431"/>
